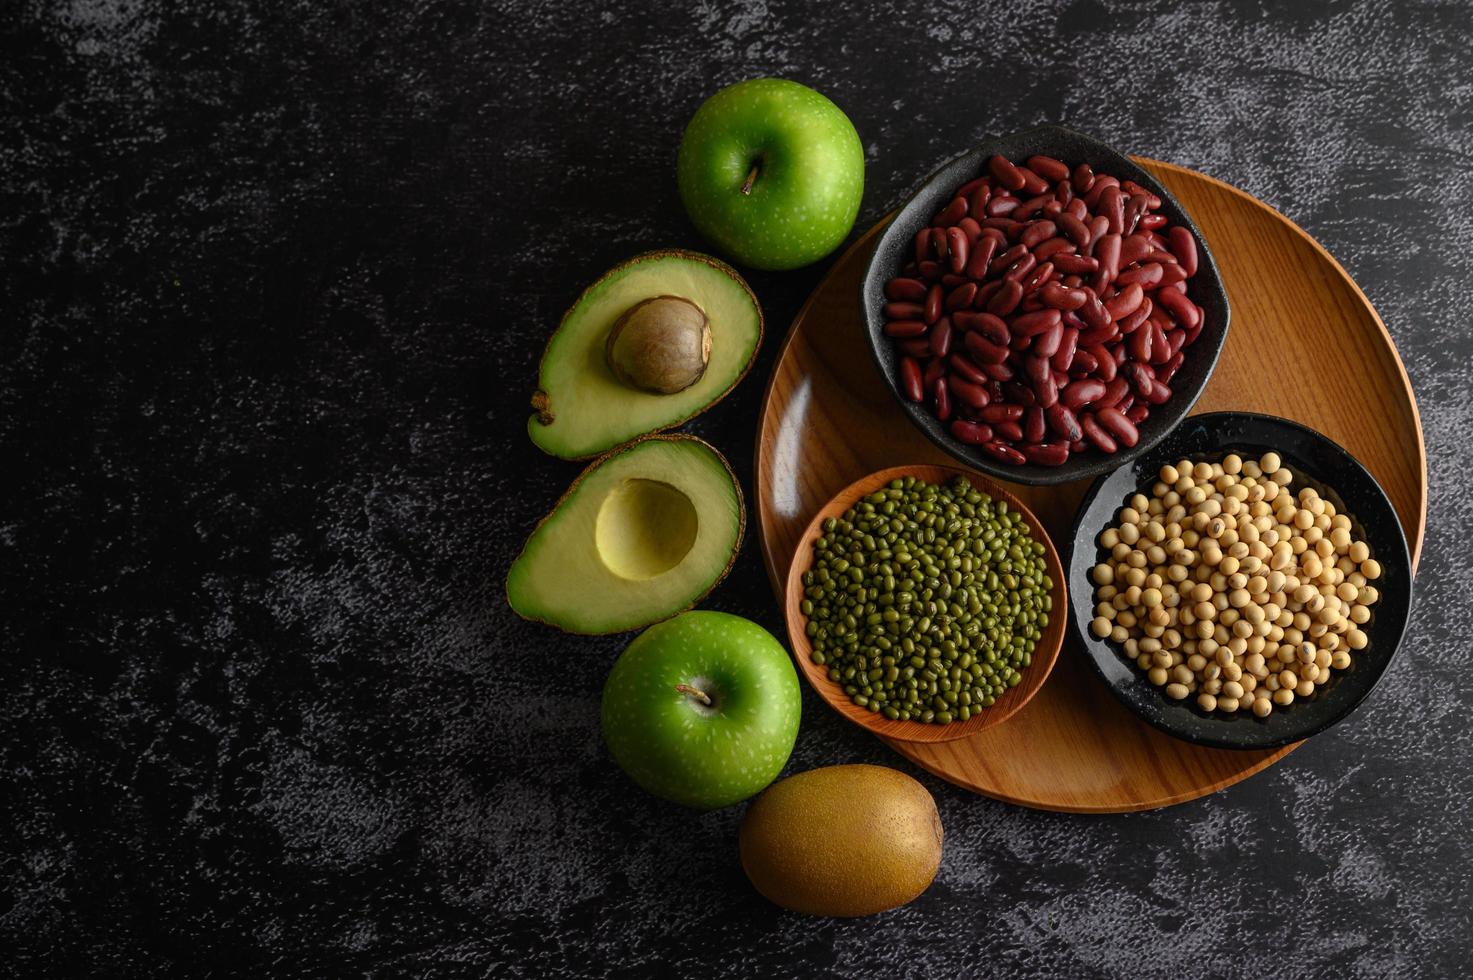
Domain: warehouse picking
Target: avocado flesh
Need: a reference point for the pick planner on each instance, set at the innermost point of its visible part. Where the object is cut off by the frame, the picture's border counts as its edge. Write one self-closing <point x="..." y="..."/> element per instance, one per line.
<point x="584" y="409"/>
<point x="643" y="534"/>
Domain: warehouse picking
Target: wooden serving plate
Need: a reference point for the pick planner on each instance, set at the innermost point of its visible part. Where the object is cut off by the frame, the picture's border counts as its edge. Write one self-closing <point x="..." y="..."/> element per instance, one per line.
<point x="1045" y="652"/>
<point x="1305" y="344"/>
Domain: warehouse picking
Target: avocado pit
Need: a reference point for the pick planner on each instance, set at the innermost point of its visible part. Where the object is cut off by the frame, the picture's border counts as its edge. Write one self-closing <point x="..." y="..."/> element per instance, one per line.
<point x="661" y="345"/>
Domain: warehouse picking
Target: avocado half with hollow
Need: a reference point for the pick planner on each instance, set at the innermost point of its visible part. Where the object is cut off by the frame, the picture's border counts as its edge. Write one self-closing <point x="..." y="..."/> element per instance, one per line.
<point x="643" y="533"/>
<point x="655" y="341"/>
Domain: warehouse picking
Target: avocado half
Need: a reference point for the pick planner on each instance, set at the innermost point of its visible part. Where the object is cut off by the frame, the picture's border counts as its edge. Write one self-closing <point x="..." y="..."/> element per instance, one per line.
<point x="582" y="408"/>
<point x="644" y="533"/>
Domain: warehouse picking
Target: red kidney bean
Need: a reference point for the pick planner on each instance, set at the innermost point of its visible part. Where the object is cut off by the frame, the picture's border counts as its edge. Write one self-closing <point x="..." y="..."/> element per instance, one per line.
<point x="1171" y="273"/>
<point x="999" y="206"/>
<point x="1161" y="350"/>
<point x="935" y="370"/>
<point x="1135" y="208"/>
<point x="1167" y="371"/>
<point x="1107" y="253"/>
<point x="1002" y="413"/>
<point x="1142" y="313"/>
<point x="1102" y="183"/>
<point x="1104" y="362"/>
<point x="1093" y="313"/>
<point x="905" y="328"/>
<point x="951" y="280"/>
<point x="1112" y="206"/>
<point x="1006" y="299"/>
<point x="1005" y="453"/>
<point x="1133" y="249"/>
<point x="1048" y="168"/>
<point x="974" y="395"/>
<point x="922" y="244"/>
<point x="982" y="350"/>
<point x="1005" y="173"/>
<point x="1077" y="230"/>
<point x="1141" y="378"/>
<point x="1030" y="324"/>
<point x="952" y="213"/>
<point x="1017" y="393"/>
<point x="1148" y="274"/>
<point x="1032" y="206"/>
<point x="1020" y="268"/>
<point x="1153" y="221"/>
<point x="1063" y="358"/>
<point x="1085" y="364"/>
<point x="1139" y="344"/>
<point x="1184" y="247"/>
<point x="1082" y="392"/>
<point x="977" y="202"/>
<point x="1062" y="298"/>
<point x="941" y="395"/>
<point x="1034" y="426"/>
<point x="1116" y="391"/>
<point x="1159" y="394"/>
<point x="1083" y="178"/>
<point x="1138" y="413"/>
<point x="1076" y="207"/>
<point x="1063" y="422"/>
<point x="1040" y="276"/>
<point x="1075" y="264"/>
<point x="910" y="378"/>
<point x="968" y="371"/>
<point x="905" y="289"/>
<point x="966" y="189"/>
<point x="1037" y="232"/>
<point x="1045" y="389"/>
<point x="940" y="246"/>
<point x="1046" y="344"/>
<point x="1180" y="308"/>
<point x="929" y="270"/>
<point x="904" y="311"/>
<point x="999" y="372"/>
<point x="961" y="297"/>
<point x="1125" y="302"/>
<point x="994" y="328"/>
<point x="934" y="300"/>
<point x="1122" y="428"/>
<point x="1051" y="247"/>
<point x="1011" y="431"/>
<point x="1047" y="453"/>
<point x="957" y="247"/>
<point x="981" y="257"/>
<point x="1096" y="435"/>
<point x="1007" y="258"/>
<point x="940" y="338"/>
<point x="971" y="432"/>
<point x="1033" y="182"/>
<point x="985" y="294"/>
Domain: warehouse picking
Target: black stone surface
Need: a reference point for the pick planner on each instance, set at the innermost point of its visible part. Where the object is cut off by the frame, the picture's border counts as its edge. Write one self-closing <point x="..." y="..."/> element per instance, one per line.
<point x="273" y="283"/>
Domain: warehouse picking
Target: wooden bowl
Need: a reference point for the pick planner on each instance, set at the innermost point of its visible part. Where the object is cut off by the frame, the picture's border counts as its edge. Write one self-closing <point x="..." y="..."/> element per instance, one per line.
<point x="1044" y="654"/>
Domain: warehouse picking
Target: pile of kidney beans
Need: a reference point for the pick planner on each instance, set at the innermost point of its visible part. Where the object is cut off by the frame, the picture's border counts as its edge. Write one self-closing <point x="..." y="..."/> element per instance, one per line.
<point x="1044" y="311"/>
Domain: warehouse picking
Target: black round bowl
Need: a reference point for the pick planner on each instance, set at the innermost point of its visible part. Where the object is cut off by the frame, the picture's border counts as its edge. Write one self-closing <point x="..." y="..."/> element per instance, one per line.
<point x="893" y="250"/>
<point x="1315" y="462"/>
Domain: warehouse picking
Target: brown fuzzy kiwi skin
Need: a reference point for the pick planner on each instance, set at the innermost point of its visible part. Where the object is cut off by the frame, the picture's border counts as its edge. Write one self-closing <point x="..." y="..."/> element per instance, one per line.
<point x="542" y="401"/>
<point x="604" y="458"/>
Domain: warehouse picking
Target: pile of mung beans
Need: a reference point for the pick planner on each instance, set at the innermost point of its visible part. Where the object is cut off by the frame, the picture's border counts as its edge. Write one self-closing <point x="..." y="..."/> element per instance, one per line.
<point x="925" y="601"/>
<point x="1226" y="585"/>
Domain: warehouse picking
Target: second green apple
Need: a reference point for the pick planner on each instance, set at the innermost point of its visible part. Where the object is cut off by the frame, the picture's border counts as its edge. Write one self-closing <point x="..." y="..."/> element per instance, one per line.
<point x="772" y="173"/>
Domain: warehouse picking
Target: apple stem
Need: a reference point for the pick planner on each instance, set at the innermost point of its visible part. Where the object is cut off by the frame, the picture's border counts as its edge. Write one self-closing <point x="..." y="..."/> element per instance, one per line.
<point x="694" y="692"/>
<point x="751" y="178"/>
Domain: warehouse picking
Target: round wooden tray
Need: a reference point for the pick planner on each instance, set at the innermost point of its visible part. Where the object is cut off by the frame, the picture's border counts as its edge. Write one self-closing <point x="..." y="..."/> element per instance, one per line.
<point x="1304" y="344"/>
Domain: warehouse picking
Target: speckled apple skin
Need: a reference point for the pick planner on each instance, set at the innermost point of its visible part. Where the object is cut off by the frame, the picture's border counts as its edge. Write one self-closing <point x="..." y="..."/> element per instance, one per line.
<point x="810" y="173"/>
<point x="676" y="747"/>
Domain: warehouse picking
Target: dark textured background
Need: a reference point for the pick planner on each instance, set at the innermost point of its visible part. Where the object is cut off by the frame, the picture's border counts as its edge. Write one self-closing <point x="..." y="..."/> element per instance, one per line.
<point x="273" y="283"/>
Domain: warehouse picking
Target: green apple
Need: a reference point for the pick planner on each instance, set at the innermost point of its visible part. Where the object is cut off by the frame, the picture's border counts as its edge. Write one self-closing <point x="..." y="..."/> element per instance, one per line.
<point x="772" y="173"/>
<point x="702" y="709"/>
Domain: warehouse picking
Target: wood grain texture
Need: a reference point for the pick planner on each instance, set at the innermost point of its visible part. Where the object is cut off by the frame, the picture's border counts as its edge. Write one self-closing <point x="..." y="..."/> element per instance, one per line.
<point x="1045" y="653"/>
<point x="1305" y="344"/>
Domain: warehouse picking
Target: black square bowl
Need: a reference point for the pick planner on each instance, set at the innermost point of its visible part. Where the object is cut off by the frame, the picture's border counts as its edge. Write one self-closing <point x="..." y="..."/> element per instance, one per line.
<point x="893" y="251"/>
<point x="1316" y="462"/>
